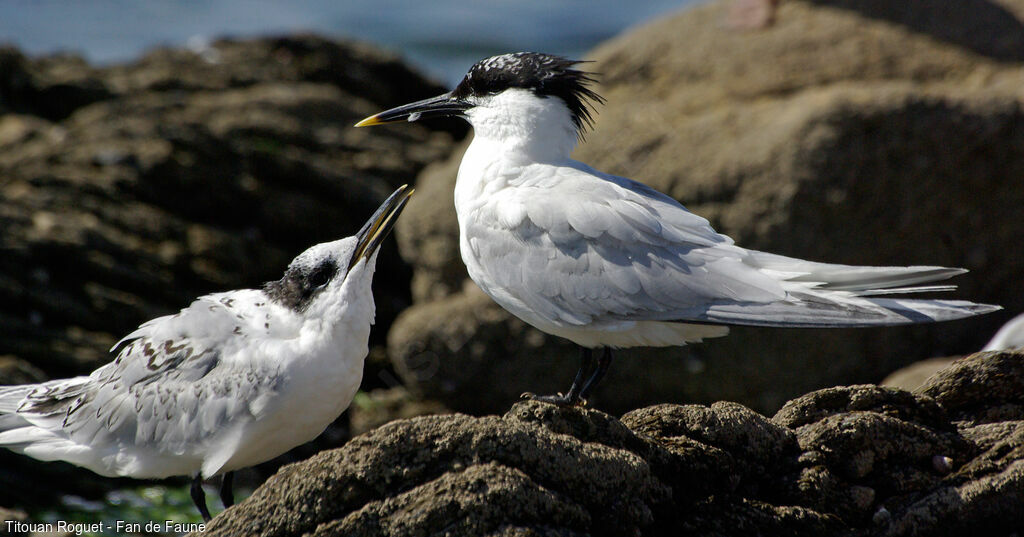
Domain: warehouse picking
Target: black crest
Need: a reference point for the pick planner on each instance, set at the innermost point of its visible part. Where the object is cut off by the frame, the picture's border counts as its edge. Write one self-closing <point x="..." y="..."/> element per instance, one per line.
<point x="301" y="284"/>
<point x="544" y="74"/>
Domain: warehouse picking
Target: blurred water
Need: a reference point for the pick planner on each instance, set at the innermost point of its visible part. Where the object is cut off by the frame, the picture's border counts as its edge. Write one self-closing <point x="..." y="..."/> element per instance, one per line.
<point x="442" y="37"/>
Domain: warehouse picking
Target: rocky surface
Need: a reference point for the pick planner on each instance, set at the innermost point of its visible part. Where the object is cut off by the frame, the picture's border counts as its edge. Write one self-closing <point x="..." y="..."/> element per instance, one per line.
<point x="946" y="459"/>
<point x="853" y="131"/>
<point x="914" y="375"/>
<point x="128" y="190"/>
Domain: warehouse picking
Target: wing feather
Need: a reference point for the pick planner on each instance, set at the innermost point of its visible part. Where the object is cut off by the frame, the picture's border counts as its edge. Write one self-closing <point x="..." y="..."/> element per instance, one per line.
<point x="176" y="381"/>
<point x="587" y="248"/>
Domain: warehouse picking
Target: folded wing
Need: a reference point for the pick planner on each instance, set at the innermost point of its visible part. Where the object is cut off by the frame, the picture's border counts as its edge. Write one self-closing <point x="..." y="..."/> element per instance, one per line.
<point x="622" y="251"/>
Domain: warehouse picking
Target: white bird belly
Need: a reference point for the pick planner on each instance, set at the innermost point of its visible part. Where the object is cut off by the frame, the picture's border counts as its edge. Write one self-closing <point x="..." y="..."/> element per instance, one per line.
<point x="311" y="399"/>
<point x="616" y="333"/>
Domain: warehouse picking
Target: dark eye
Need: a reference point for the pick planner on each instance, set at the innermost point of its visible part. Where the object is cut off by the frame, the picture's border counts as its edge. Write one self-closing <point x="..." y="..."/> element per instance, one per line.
<point x="321" y="275"/>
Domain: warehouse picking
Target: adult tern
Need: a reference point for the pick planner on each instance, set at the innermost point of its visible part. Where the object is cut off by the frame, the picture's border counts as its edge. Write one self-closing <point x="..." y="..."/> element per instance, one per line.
<point x="608" y="262"/>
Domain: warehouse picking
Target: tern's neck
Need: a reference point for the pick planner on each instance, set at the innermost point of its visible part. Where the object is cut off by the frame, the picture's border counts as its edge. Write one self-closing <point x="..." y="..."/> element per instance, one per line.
<point x="344" y="311"/>
<point x="520" y="127"/>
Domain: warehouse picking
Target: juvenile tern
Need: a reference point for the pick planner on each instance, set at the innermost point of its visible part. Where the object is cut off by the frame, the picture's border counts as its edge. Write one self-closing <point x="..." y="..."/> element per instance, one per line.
<point x="608" y="262"/>
<point x="235" y="379"/>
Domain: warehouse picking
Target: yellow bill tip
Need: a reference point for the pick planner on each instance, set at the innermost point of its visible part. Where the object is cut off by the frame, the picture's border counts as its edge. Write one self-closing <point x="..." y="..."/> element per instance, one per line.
<point x="369" y="122"/>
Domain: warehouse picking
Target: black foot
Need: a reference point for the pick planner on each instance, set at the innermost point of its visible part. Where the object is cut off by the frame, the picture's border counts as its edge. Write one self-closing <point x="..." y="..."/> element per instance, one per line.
<point x="577" y="395"/>
<point x="227" y="495"/>
<point x="199" y="497"/>
<point x="558" y="400"/>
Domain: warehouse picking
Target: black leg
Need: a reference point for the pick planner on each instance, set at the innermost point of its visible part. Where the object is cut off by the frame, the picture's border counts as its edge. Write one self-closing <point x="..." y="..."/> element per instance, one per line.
<point x="199" y="497"/>
<point x="227" y="495"/>
<point x="573" y="397"/>
<point x="603" y="363"/>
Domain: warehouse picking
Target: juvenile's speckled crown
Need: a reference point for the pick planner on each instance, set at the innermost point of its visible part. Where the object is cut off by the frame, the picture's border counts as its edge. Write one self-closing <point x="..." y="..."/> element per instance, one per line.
<point x="302" y="282"/>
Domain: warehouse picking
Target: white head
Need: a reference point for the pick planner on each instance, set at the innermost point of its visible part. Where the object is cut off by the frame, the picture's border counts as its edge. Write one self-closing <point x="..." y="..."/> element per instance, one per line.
<point x="331" y="274"/>
<point x="530" y="100"/>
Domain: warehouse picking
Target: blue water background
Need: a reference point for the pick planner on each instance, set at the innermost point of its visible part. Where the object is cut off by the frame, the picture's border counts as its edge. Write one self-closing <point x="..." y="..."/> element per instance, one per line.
<point x="442" y="37"/>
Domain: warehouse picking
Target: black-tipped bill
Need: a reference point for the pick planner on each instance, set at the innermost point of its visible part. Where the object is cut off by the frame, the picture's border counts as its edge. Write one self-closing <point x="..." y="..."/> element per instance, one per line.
<point x="440" y="106"/>
<point x="379" y="225"/>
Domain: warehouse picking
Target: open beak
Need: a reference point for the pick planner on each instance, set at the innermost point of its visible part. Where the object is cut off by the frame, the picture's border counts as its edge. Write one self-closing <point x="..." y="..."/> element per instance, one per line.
<point x="440" y="106"/>
<point x="379" y="225"/>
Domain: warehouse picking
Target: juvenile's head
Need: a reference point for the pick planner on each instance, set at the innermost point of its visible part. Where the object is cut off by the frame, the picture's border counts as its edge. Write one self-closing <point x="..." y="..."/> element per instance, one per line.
<point x="327" y="266"/>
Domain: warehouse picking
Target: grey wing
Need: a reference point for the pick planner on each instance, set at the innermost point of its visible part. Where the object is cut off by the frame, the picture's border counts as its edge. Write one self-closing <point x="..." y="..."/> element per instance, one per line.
<point x="167" y="385"/>
<point x="585" y="249"/>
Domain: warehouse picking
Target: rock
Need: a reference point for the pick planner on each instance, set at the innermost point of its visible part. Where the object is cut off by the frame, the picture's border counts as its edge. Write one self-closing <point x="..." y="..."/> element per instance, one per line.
<point x="864" y="444"/>
<point x="370" y="410"/>
<point x="914" y="375"/>
<point x="472" y="475"/>
<point x="890" y="402"/>
<point x="982" y="388"/>
<point x="51" y="87"/>
<point x="851" y="131"/>
<point x="129" y="190"/>
<point x="758" y="442"/>
<point x="855" y="460"/>
<point x="985" y="491"/>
